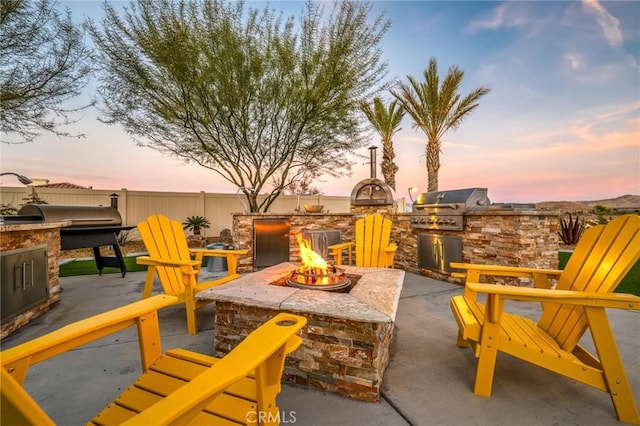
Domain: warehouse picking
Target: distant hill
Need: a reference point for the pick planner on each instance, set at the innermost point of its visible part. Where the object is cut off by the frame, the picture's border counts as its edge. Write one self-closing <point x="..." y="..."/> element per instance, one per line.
<point x="622" y="202"/>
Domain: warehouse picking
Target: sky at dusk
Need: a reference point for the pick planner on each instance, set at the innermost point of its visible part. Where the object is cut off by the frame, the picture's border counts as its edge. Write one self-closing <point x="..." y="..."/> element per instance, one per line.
<point x="562" y="120"/>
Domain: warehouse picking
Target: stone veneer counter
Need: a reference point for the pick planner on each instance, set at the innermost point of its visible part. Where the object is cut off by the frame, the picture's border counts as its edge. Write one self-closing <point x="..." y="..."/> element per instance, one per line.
<point x="26" y="234"/>
<point x="346" y="341"/>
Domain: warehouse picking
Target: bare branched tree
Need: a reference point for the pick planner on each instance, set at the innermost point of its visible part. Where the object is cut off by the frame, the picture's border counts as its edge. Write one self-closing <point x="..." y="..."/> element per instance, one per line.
<point x="262" y="100"/>
<point x="45" y="63"/>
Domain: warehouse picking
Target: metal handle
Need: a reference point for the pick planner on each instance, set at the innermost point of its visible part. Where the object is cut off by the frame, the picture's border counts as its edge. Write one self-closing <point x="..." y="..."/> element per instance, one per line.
<point x="24" y="276"/>
<point x="438" y="253"/>
<point x="88" y="219"/>
<point x="433" y="206"/>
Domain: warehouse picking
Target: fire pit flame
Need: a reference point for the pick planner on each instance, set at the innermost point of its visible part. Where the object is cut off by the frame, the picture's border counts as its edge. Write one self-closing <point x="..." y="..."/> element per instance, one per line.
<point x="314" y="272"/>
<point x="312" y="262"/>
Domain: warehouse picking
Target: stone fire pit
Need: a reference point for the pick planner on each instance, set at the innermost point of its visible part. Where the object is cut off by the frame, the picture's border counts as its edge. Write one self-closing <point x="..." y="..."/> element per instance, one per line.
<point x="346" y="341"/>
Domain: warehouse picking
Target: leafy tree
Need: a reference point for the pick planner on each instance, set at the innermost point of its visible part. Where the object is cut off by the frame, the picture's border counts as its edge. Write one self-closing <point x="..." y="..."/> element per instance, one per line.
<point x="435" y="108"/>
<point x="385" y="120"/>
<point x="302" y="187"/>
<point x="44" y="64"/>
<point x="261" y="100"/>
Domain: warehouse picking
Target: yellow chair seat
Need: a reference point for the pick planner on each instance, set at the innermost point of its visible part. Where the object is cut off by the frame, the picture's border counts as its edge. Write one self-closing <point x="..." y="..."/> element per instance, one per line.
<point x="171" y="371"/>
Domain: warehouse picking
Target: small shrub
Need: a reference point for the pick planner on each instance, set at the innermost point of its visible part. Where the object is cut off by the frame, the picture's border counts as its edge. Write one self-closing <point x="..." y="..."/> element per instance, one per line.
<point x="196" y="223"/>
<point x="8" y="209"/>
<point x="33" y="198"/>
<point x="600" y="210"/>
<point x="571" y="229"/>
<point x="598" y="220"/>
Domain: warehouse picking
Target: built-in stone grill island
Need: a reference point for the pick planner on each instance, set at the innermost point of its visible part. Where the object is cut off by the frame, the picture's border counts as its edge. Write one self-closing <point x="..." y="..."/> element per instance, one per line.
<point x="346" y="341"/>
<point x="518" y="237"/>
<point x="30" y="284"/>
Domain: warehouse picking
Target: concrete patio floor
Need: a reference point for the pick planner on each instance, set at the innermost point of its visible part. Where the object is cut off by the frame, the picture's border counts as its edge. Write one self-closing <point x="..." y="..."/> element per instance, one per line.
<point x="429" y="380"/>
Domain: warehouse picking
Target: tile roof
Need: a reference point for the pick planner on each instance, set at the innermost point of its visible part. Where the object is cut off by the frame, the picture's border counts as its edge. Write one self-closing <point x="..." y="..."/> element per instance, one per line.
<point x="63" y="185"/>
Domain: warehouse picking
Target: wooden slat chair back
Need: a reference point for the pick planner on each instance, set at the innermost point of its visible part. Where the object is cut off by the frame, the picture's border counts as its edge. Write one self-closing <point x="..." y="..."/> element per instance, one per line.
<point x="177" y="387"/>
<point x="177" y="266"/>
<point x="165" y="239"/>
<point x="372" y="244"/>
<point x="601" y="259"/>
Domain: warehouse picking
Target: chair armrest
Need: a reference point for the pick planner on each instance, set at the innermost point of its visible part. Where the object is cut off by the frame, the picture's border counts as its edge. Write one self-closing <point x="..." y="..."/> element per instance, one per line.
<point x="83" y="331"/>
<point x="340" y="246"/>
<point x="218" y="252"/>
<point x="154" y="261"/>
<point x="501" y="270"/>
<point x="571" y="297"/>
<point x="540" y="277"/>
<point x="336" y="250"/>
<point x="231" y="255"/>
<point x="262" y="352"/>
<point x="391" y="248"/>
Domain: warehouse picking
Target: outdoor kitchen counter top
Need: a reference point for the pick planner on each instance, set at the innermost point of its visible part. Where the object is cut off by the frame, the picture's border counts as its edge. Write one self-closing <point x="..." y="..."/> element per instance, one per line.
<point x="510" y="212"/>
<point x="31" y="225"/>
<point x="373" y="299"/>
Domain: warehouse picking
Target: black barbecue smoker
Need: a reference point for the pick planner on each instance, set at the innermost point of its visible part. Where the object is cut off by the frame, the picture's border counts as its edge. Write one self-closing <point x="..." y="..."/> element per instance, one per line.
<point x="91" y="227"/>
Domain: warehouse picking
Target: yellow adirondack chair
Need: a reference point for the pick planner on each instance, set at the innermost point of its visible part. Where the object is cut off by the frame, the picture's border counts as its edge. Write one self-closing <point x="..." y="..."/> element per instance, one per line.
<point x="178" y="387"/>
<point x="372" y="246"/>
<point x="583" y="290"/>
<point x="177" y="266"/>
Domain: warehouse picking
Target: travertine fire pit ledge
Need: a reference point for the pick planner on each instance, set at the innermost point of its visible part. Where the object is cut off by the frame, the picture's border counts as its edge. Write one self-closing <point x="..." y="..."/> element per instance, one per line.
<point x="374" y="299"/>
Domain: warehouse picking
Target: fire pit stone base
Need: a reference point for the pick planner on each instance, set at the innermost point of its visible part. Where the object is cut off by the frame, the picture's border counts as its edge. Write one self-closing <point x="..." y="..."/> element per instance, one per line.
<point x="346" y="341"/>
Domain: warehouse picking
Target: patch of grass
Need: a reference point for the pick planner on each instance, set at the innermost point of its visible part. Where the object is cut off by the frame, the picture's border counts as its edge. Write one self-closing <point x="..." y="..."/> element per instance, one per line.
<point x="88" y="267"/>
<point x="629" y="284"/>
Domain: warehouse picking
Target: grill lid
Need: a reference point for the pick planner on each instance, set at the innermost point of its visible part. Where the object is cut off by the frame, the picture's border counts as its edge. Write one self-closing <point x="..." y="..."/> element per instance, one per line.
<point x="79" y="216"/>
<point x="459" y="200"/>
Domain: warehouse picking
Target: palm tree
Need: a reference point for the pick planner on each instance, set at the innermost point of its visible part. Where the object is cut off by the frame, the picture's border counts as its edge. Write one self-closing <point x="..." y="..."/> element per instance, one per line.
<point x="196" y="224"/>
<point x="435" y="108"/>
<point x="385" y="121"/>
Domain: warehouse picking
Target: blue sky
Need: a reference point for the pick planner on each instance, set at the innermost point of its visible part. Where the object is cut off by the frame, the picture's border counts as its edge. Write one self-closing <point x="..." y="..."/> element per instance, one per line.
<point x="562" y="120"/>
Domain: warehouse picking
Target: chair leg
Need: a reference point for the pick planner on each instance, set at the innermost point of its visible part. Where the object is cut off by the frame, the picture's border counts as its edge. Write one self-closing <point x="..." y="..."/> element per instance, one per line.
<point x="612" y="367"/>
<point x="232" y="264"/>
<point x="337" y="257"/>
<point x="488" y="350"/>
<point x="148" y="282"/>
<point x="485" y="369"/>
<point x="461" y="342"/>
<point x="190" y="307"/>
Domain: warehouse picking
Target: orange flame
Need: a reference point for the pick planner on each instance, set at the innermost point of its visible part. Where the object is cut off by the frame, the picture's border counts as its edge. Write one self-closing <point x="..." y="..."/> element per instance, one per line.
<point x="314" y="270"/>
<point x="312" y="262"/>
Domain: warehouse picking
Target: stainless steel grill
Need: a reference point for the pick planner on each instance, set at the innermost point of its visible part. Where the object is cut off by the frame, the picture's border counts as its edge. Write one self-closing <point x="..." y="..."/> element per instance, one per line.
<point x="444" y="210"/>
